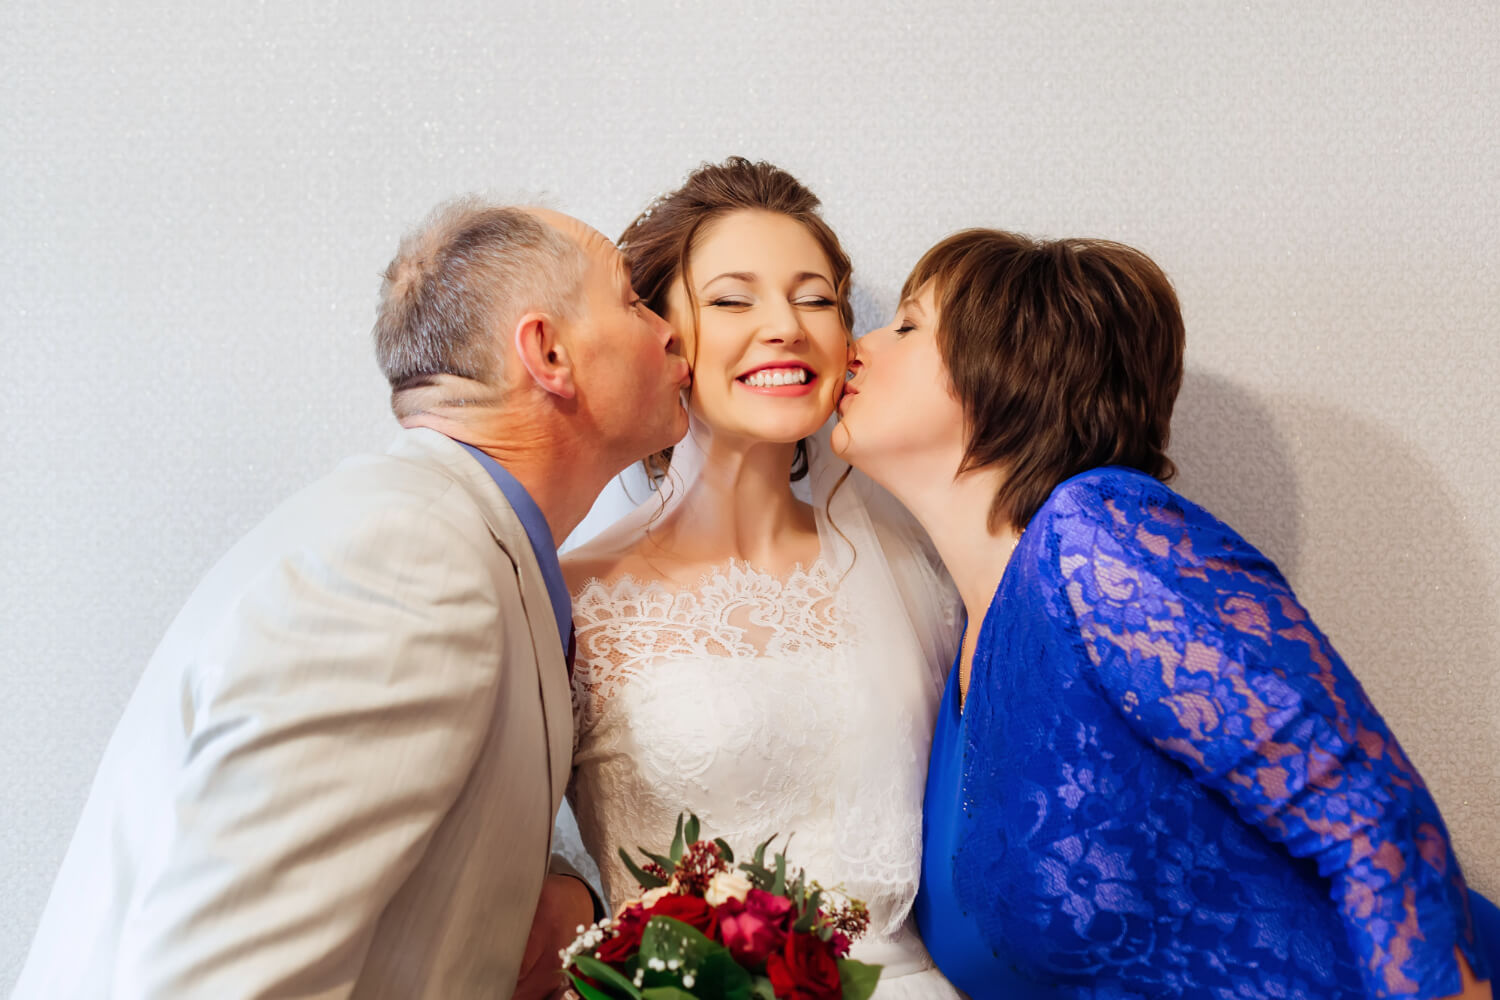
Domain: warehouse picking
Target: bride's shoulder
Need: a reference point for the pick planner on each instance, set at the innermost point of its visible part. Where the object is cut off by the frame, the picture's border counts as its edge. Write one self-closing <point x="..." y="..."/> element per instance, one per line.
<point x="615" y="552"/>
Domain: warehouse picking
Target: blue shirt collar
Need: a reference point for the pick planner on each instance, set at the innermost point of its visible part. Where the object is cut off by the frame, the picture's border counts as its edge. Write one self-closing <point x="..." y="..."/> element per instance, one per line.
<point x="540" y="536"/>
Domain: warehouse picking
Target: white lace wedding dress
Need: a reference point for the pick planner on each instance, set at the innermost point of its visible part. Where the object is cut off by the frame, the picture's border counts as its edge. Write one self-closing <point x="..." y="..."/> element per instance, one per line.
<point x="801" y="705"/>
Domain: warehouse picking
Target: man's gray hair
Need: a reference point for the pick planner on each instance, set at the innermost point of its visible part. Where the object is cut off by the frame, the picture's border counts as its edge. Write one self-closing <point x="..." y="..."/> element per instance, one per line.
<point x="465" y="275"/>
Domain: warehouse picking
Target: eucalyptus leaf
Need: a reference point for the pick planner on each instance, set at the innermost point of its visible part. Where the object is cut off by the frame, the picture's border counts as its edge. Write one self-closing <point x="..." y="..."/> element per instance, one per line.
<point x="676" y="844"/>
<point x="778" y="887"/>
<point x="667" y="993"/>
<point x="605" y="973"/>
<point x="761" y="989"/>
<point x="645" y="878"/>
<point x="858" y="979"/>
<point x="760" y="851"/>
<point x="669" y="864"/>
<point x="725" y="849"/>
<point x="690" y="832"/>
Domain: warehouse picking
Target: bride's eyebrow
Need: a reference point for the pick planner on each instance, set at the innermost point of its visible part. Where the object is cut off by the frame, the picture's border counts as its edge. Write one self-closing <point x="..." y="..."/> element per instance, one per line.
<point x="746" y="276"/>
<point x="749" y="277"/>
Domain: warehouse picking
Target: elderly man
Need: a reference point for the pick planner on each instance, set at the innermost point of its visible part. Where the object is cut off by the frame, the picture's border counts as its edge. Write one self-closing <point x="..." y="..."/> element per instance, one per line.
<point x="338" y="775"/>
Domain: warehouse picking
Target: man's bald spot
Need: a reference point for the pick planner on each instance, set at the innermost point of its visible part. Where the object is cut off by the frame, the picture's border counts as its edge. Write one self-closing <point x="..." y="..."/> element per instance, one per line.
<point x="589" y="239"/>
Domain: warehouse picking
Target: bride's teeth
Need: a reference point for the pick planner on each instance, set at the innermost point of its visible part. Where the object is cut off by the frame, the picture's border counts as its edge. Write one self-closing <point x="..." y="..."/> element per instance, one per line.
<point x="783" y="376"/>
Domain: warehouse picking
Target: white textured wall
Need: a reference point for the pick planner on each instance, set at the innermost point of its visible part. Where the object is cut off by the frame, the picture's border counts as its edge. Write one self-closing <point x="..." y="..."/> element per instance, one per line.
<point x="198" y="200"/>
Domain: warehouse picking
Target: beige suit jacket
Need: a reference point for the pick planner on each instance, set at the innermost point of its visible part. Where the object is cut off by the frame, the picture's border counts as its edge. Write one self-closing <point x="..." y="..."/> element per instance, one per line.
<point x="338" y="775"/>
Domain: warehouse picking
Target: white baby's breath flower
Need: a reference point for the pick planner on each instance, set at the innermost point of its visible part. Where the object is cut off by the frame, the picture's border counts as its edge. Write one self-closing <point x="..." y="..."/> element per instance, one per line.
<point x="725" y="886"/>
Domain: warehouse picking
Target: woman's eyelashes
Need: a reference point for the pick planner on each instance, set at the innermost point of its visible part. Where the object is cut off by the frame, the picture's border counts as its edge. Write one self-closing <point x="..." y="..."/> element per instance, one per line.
<point x="813" y="301"/>
<point x="905" y="326"/>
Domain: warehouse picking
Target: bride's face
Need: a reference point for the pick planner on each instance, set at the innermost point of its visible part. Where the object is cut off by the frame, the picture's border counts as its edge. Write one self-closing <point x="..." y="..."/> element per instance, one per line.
<point x="770" y="348"/>
<point x="899" y="421"/>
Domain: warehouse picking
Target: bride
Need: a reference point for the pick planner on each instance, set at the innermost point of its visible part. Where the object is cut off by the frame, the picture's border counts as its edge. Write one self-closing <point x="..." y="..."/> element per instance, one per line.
<point x="761" y="643"/>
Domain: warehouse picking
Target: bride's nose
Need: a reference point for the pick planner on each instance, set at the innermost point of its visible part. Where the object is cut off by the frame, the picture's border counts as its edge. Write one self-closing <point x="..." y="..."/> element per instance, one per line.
<point x="782" y="325"/>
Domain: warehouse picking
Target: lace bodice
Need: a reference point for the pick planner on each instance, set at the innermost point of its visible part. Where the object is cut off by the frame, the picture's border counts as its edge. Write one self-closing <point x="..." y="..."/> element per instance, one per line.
<point x="746" y="699"/>
<point x="736" y="612"/>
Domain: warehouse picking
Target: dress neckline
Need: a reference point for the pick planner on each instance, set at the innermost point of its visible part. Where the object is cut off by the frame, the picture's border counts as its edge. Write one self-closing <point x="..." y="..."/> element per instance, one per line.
<point x="731" y="570"/>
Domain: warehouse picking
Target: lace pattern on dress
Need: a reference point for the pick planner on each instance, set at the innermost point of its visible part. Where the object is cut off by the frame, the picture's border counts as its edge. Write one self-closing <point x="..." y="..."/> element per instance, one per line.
<point x="735" y="611"/>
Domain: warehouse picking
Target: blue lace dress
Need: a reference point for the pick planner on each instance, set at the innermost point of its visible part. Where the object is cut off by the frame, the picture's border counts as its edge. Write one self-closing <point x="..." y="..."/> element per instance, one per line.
<point x="1165" y="782"/>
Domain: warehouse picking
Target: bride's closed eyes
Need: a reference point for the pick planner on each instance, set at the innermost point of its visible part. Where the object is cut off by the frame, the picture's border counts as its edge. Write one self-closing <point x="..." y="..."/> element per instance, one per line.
<point x="807" y="298"/>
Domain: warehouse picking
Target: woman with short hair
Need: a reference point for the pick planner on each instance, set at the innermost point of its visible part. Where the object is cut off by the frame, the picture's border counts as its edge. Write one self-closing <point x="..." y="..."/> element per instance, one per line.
<point x="1152" y="774"/>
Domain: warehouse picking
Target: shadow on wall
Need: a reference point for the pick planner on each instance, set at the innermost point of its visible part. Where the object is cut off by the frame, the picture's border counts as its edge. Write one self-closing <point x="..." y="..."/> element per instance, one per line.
<point x="1231" y="459"/>
<point x="1362" y="525"/>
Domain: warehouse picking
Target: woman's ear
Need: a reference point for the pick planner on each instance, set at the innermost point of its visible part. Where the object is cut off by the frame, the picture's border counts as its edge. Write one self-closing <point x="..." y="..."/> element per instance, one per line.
<point x="542" y="351"/>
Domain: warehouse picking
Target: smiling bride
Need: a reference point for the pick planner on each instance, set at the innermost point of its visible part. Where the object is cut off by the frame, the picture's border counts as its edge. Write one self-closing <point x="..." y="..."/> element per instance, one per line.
<point x="763" y="642"/>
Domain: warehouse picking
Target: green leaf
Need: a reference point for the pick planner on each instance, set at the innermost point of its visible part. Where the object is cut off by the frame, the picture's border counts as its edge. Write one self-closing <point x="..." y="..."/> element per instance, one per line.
<point x="761" y="989"/>
<point x="667" y="993"/>
<point x="778" y="887"/>
<point x="668" y="863"/>
<point x="760" y="851"/>
<point x="725" y="849"/>
<point x="858" y="979"/>
<point x="588" y="992"/>
<point x="690" y="832"/>
<point x="605" y="973"/>
<point x="715" y="972"/>
<point x="645" y="878"/>
<point x="676" y="844"/>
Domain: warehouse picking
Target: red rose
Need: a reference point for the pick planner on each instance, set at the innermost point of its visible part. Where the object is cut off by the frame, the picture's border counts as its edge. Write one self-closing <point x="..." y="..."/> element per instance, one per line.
<point x="805" y="970"/>
<point x="691" y="910"/>
<point x="629" y="926"/>
<point x="839" y="942"/>
<point x="754" y="927"/>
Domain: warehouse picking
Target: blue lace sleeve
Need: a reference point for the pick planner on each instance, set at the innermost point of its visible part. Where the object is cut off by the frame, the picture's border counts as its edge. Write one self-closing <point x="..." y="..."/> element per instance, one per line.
<point x="1203" y="648"/>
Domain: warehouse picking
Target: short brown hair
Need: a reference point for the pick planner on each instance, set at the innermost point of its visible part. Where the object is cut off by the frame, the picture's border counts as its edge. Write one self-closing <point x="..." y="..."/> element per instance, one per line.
<point x="661" y="239"/>
<point x="1065" y="355"/>
<point x="470" y="267"/>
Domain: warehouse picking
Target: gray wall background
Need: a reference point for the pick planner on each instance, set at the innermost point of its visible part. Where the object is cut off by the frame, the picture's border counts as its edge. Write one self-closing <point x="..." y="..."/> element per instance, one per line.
<point x="198" y="200"/>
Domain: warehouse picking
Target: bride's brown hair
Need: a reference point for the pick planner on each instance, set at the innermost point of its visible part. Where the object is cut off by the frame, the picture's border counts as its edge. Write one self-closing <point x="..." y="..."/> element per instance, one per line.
<point x="660" y="241"/>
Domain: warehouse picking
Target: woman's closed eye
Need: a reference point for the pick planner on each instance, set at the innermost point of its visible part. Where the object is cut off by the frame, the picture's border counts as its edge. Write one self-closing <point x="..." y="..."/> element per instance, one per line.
<point x="904" y="327"/>
<point x="730" y="302"/>
<point x="815" y="301"/>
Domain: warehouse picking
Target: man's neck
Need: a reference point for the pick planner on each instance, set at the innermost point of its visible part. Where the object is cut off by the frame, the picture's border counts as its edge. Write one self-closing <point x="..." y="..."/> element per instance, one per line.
<point x="562" y="475"/>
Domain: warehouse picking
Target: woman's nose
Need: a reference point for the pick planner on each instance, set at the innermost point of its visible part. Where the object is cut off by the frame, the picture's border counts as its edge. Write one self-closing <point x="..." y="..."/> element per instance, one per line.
<point x="783" y="325"/>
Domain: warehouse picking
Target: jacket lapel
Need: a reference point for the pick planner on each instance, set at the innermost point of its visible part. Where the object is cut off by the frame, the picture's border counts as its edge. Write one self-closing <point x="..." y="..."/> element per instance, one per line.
<point x="551" y="664"/>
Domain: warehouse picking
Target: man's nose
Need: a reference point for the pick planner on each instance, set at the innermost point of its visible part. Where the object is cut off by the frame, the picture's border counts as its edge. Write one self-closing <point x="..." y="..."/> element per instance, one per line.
<point x="667" y="334"/>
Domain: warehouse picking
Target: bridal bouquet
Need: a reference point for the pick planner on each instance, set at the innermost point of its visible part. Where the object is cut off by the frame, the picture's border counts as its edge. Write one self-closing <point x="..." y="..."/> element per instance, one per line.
<point x="706" y="929"/>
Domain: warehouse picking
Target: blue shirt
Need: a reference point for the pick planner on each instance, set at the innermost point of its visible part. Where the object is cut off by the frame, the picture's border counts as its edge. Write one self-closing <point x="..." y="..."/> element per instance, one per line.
<point x="540" y="537"/>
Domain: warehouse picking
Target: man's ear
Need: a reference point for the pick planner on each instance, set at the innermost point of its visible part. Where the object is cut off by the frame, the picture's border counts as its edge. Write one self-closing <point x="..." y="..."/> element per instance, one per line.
<point x="539" y="345"/>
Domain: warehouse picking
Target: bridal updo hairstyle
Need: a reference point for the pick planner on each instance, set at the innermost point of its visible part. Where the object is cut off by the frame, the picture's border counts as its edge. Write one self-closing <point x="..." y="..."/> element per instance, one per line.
<point x="660" y="242"/>
<point x="1065" y="355"/>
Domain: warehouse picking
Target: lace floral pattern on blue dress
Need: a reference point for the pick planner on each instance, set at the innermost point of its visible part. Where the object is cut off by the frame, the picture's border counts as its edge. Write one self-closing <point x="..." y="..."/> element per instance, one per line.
<point x="1166" y="783"/>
